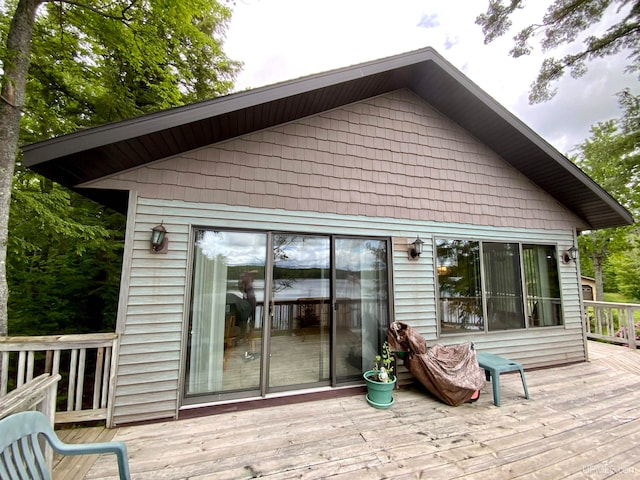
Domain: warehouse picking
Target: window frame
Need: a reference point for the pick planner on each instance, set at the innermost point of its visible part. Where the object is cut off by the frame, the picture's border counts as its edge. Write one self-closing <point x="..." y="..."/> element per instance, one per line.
<point x="526" y="321"/>
<point x="264" y="389"/>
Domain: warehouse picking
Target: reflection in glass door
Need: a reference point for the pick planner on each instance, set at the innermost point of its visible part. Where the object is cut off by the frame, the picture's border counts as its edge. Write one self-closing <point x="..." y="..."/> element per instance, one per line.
<point x="300" y="311"/>
<point x="225" y="328"/>
<point x="362" y="304"/>
<point x="327" y="308"/>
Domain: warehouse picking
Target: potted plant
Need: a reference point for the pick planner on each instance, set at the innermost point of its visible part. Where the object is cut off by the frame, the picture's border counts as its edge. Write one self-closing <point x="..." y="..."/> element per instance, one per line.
<point x="381" y="380"/>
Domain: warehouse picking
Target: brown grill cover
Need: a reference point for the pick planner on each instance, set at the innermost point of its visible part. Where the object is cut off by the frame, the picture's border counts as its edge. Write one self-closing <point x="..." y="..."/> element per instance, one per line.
<point x="450" y="372"/>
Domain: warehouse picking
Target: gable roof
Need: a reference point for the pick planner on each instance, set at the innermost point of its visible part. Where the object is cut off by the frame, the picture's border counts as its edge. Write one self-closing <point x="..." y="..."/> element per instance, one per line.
<point x="86" y="155"/>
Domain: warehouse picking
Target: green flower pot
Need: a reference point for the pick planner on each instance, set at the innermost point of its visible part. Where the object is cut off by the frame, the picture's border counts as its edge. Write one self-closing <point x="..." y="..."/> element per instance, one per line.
<point x="379" y="394"/>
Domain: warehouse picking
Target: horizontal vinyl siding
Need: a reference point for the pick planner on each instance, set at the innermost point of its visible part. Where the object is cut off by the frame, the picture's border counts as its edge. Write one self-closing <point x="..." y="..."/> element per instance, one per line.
<point x="414" y="289"/>
<point x="150" y="354"/>
<point x="150" y="350"/>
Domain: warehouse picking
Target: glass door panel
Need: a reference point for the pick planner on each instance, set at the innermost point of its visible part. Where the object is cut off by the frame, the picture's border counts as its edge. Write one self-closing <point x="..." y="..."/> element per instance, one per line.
<point x="225" y="327"/>
<point x="362" y="304"/>
<point x="300" y="311"/>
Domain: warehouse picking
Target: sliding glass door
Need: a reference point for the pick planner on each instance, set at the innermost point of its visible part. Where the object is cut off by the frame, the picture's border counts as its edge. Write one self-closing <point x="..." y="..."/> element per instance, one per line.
<point x="224" y="338"/>
<point x="301" y="311"/>
<point x="362" y="304"/>
<point x="274" y="311"/>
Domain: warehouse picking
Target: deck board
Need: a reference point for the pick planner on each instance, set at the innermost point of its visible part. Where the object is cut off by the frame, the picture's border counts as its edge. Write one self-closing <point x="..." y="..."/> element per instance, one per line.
<point x="582" y="421"/>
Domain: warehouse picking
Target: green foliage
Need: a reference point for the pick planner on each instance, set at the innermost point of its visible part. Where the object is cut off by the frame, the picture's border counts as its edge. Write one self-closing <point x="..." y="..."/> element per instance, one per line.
<point x="122" y="59"/>
<point x="93" y="63"/>
<point x="63" y="263"/>
<point x="383" y="365"/>
<point x="610" y="157"/>
<point x="604" y="157"/>
<point x="615" y="297"/>
<point x="563" y="24"/>
<point x="626" y="264"/>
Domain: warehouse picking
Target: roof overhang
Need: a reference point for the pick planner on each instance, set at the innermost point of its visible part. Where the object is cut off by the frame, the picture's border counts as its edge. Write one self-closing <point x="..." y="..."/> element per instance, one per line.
<point x="90" y="154"/>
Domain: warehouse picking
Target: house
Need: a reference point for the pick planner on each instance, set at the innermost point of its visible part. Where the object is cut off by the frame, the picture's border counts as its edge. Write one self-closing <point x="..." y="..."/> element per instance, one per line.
<point x="589" y="288"/>
<point x="301" y="218"/>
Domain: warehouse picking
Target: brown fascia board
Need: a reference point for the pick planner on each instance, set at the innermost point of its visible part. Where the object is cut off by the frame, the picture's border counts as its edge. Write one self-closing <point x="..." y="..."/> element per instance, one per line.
<point x="424" y="71"/>
<point x="102" y="135"/>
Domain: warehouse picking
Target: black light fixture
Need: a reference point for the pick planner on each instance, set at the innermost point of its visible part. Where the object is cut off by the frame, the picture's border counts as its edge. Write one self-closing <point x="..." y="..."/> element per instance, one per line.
<point x="415" y="248"/>
<point x="570" y="254"/>
<point x="159" y="239"/>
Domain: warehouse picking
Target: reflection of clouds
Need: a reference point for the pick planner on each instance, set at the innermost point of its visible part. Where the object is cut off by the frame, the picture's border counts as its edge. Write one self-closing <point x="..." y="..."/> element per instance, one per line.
<point x="208" y="245"/>
<point x="241" y="248"/>
<point x="356" y="255"/>
<point x="348" y="257"/>
<point x="237" y="248"/>
<point x="306" y="252"/>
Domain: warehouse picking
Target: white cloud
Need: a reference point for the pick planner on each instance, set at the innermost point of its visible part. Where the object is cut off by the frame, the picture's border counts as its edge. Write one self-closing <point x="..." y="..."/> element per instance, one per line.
<point x="280" y="40"/>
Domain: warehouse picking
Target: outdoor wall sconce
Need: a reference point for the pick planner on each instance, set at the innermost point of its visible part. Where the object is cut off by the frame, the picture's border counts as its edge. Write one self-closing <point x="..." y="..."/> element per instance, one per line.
<point x="415" y="249"/>
<point x="159" y="240"/>
<point x="571" y="254"/>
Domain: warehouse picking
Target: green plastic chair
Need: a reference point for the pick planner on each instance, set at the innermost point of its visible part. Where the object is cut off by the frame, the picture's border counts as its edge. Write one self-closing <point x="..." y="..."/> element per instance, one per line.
<point x="22" y="454"/>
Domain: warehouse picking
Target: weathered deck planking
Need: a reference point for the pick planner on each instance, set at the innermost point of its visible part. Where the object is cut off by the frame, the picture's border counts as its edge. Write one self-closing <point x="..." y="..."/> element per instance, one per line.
<point x="582" y="421"/>
<point x="75" y="467"/>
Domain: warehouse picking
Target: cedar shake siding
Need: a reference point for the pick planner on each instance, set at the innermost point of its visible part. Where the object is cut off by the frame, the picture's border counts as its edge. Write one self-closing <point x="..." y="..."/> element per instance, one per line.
<point x="390" y="156"/>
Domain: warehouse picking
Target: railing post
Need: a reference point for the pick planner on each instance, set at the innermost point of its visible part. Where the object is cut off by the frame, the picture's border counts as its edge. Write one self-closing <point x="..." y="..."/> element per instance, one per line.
<point x="631" y="328"/>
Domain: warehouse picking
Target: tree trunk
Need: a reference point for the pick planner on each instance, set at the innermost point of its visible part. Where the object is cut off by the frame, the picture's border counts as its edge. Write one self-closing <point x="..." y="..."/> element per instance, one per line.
<point x="597" y="268"/>
<point x="13" y="81"/>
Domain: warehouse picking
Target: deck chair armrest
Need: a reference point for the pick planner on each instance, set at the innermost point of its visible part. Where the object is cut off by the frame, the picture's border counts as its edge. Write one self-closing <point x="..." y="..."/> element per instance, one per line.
<point x="116" y="447"/>
<point x="23" y="428"/>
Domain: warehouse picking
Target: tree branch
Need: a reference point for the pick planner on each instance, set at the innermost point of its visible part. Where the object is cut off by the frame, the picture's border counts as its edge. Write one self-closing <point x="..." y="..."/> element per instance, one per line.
<point x="93" y="9"/>
<point x="6" y="100"/>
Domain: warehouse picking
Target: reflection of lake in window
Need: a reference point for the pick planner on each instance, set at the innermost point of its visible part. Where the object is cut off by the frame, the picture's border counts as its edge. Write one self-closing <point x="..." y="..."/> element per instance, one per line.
<point x="471" y="291"/>
<point x="458" y="266"/>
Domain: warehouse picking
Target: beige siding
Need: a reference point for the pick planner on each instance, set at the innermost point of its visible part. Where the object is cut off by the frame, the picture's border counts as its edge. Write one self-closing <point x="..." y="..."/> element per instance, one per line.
<point x="390" y="166"/>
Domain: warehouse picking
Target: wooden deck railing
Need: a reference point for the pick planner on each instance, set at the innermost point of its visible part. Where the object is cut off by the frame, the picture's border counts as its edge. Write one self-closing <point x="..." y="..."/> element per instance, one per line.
<point x="288" y="316"/>
<point x="36" y="394"/>
<point x="84" y="363"/>
<point x="613" y="322"/>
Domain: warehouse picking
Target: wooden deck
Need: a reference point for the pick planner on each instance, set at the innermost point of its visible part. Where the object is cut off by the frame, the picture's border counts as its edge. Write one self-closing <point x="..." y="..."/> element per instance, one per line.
<point x="582" y="421"/>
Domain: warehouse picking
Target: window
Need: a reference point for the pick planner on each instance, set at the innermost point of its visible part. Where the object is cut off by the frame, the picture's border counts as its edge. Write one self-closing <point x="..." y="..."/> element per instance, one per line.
<point x="542" y="285"/>
<point x="503" y="285"/>
<point x="491" y="286"/>
<point x="459" y="285"/>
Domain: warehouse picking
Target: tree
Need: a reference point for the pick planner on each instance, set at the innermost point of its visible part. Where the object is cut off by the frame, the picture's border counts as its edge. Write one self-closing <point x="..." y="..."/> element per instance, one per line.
<point x="627" y="267"/>
<point x="610" y="157"/>
<point x="563" y="23"/>
<point x="63" y="260"/>
<point x="99" y="61"/>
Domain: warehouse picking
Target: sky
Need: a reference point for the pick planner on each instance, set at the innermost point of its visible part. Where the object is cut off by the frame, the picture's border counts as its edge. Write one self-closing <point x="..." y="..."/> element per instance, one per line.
<point x="279" y="40"/>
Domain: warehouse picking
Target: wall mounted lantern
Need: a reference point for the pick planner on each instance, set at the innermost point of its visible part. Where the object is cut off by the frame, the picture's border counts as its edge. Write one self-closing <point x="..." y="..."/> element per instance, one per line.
<point x="570" y="254"/>
<point x="159" y="240"/>
<point x="415" y="249"/>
